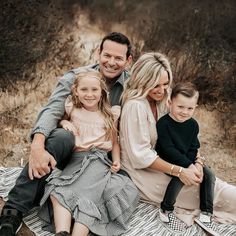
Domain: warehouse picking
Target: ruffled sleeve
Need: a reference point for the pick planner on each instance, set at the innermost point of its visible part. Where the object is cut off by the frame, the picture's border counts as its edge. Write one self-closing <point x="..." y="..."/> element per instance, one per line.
<point x="68" y="105"/>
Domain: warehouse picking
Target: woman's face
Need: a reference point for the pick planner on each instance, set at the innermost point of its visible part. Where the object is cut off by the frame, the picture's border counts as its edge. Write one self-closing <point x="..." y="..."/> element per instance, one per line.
<point x="158" y="93"/>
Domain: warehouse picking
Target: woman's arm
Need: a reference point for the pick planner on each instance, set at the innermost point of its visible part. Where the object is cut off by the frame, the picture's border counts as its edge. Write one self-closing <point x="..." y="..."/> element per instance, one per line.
<point x="189" y="176"/>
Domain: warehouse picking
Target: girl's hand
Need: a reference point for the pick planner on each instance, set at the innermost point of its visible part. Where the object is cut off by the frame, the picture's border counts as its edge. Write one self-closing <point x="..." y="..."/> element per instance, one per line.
<point x="67" y="125"/>
<point x="115" y="166"/>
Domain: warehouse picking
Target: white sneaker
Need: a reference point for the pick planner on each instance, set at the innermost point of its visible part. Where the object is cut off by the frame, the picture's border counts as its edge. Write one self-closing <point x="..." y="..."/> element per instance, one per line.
<point x="204" y="220"/>
<point x="164" y="216"/>
<point x="172" y="223"/>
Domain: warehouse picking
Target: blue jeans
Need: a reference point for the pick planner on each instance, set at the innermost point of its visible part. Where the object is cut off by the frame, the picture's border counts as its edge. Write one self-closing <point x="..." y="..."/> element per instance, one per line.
<point x="206" y="192"/>
<point x="27" y="193"/>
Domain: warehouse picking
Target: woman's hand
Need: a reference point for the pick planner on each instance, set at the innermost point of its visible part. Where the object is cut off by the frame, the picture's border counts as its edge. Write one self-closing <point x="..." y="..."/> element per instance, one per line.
<point x="115" y="166"/>
<point x="190" y="175"/>
<point x="67" y="125"/>
<point x="200" y="168"/>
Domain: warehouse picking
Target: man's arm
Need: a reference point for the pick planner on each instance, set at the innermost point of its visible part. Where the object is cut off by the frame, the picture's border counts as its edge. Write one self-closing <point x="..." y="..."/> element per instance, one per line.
<point x="40" y="161"/>
<point x="52" y="113"/>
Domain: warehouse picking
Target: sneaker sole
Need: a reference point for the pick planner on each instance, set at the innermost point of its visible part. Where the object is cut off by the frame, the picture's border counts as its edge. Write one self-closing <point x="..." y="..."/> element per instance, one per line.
<point x="209" y="230"/>
<point x="19" y="228"/>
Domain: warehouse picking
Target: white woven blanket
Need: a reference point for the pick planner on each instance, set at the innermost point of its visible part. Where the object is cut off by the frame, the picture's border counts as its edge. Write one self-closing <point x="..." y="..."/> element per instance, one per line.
<point x="144" y="222"/>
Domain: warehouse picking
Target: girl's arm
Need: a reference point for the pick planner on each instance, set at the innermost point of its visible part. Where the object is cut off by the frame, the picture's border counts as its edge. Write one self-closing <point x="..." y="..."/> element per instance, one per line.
<point x="115" y="154"/>
<point x="67" y="125"/>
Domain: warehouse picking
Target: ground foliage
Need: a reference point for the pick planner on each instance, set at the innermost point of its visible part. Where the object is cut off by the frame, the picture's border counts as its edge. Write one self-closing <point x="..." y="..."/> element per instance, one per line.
<point x="198" y="36"/>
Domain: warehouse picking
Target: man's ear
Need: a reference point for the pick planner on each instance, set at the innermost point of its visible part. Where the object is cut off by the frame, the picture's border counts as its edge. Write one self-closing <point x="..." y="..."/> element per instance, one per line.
<point x="129" y="62"/>
<point x="129" y="59"/>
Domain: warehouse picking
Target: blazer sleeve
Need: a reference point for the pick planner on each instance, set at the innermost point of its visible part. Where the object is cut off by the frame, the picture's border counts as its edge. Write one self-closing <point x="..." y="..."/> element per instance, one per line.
<point x="52" y="113"/>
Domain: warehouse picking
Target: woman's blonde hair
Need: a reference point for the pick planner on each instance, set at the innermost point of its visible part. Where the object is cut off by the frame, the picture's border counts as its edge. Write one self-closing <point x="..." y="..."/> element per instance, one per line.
<point x="145" y="74"/>
<point x="103" y="105"/>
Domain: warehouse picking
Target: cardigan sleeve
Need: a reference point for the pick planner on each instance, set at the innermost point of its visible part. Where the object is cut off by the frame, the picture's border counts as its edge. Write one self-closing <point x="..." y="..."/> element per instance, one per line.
<point x="136" y="135"/>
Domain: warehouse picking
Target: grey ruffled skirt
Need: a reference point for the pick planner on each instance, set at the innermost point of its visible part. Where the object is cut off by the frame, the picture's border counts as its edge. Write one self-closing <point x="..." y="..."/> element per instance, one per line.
<point x="96" y="197"/>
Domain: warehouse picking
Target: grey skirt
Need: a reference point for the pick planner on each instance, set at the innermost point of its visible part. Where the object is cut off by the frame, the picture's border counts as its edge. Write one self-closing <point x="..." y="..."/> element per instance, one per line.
<point x="96" y="197"/>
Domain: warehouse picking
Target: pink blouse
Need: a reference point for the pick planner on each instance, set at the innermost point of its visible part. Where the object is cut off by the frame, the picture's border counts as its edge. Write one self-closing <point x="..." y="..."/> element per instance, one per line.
<point x="90" y="126"/>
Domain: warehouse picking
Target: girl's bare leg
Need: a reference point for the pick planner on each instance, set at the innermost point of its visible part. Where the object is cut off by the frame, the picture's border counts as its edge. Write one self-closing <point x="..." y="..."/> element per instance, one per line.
<point x="80" y="230"/>
<point x="62" y="217"/>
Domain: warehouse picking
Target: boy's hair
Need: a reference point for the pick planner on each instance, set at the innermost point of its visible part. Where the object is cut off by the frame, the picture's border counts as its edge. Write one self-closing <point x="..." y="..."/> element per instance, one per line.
<point x="187" y="89"/>
<point x="118" y="38"/>
<point x="103" y="105"/>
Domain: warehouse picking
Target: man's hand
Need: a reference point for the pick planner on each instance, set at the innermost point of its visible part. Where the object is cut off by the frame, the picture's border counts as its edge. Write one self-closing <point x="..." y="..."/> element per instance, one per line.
<point x="40" y="161"/>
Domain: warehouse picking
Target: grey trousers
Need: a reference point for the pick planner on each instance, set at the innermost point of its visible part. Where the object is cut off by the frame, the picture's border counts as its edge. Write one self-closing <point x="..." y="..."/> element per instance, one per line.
<point x="27" y="193"/>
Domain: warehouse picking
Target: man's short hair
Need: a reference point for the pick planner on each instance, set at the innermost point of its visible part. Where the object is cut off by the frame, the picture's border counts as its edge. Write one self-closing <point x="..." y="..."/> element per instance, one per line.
<point x="118" y="38"/>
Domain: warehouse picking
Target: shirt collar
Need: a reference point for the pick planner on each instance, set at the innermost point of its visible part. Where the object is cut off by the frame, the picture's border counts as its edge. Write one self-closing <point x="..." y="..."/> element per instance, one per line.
<point x="119" y="79"/>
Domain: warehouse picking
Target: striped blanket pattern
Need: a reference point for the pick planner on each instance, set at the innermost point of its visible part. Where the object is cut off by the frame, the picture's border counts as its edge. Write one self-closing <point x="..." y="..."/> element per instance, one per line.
<point x="144" y="222"/>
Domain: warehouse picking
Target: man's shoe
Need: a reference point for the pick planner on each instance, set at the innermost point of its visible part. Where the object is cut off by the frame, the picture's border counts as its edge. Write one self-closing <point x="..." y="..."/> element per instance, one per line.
<point x="204" y="220"/>
<point x="10" y="222"/>
<point x="62" y="233"/>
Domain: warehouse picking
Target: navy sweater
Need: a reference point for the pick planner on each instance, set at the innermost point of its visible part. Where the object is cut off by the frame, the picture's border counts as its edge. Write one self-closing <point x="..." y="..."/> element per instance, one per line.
<point x="177" y="142"/>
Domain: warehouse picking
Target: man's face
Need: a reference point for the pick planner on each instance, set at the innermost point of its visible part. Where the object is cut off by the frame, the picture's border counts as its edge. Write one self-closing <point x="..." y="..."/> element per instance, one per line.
<point x="112" y="59"/>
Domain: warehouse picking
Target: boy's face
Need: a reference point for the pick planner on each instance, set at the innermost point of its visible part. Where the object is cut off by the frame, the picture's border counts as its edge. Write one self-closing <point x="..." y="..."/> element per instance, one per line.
<point x="112" y="59"/>
<point x="182" y="108"/>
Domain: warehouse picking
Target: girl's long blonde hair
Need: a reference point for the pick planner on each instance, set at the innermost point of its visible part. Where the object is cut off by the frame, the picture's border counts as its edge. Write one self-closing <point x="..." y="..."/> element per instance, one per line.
<point x="103" y="105"/>
<point x="145" y="74"/>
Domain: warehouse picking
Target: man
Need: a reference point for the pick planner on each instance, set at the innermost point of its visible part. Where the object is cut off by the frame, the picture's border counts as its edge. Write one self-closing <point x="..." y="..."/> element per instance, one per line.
<point x="51" y="146"/>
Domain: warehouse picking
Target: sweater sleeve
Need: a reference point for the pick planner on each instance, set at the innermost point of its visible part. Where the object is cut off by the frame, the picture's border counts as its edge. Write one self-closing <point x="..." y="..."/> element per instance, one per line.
<point x="136" y="135"/>
<point x="166" y="148"/>
<point x="195" y="144"/>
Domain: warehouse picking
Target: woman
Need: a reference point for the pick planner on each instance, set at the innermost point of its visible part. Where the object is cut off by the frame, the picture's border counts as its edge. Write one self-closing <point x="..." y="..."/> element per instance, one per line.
<point x="144" y="102"/>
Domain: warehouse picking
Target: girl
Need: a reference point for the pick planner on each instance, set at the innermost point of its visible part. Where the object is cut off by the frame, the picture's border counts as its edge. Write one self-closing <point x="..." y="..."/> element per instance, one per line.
<point x="89" y="189"/>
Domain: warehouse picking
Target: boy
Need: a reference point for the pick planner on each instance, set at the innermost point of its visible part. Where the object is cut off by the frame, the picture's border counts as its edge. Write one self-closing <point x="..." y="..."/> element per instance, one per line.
<point x="178" y="144"/>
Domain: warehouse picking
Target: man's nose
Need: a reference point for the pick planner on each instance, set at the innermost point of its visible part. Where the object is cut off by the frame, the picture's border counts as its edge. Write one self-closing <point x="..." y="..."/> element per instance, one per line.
<point x="111" y="61"/>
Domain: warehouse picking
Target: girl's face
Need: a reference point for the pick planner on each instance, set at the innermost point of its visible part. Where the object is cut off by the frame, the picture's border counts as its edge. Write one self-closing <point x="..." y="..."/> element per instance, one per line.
<point x="182" y="108"/>
<point x="89" y="93"/>
<point x="158" y="93"/>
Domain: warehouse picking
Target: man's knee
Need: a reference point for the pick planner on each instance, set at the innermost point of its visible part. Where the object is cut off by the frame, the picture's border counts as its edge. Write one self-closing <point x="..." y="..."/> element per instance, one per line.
<point x="62" y="137"/>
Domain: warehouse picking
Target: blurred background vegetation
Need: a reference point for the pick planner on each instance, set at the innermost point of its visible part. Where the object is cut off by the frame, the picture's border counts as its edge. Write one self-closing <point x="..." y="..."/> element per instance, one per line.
<point x="198" y="36"/>
<point x="41" y="40"/>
